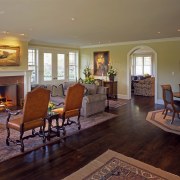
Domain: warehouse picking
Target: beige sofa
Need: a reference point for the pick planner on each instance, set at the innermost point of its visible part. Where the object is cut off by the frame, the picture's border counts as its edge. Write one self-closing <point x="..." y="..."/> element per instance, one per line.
<point x="94" y="100"/>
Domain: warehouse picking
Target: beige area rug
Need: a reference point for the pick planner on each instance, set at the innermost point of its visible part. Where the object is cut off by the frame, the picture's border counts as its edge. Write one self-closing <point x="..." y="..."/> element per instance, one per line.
<point x="117" y="103"/>
<point x="7" y="152"/>
<point x="112" y="165"/>
<point x="156" y="118"/>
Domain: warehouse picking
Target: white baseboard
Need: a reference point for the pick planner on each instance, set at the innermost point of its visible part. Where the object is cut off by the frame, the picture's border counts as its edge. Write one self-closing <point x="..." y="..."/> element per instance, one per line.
<point x="160" y="101"/>
<point x="122" y="96"/>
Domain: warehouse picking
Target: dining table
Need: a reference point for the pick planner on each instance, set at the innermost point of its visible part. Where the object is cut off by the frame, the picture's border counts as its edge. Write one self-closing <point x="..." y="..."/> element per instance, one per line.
<point x="176" y="94"/>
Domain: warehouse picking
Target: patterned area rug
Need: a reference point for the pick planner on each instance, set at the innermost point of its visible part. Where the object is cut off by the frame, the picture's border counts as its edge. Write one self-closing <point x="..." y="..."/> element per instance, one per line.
<point x="156" y="118"/>
<point x="112" y="165"/>
<point x="117" y="103"/>
<point x="13" y="150"/>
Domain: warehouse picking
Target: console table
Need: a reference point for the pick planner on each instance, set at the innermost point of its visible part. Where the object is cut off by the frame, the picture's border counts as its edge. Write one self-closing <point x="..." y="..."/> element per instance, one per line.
<point x="112" y="89"/>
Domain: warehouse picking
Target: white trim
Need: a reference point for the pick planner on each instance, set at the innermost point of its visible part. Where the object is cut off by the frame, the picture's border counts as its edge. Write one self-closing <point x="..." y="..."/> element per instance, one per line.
<point x="129" y="69"/>
<point x="133" y="42"/>
<point x="25" y="73"/>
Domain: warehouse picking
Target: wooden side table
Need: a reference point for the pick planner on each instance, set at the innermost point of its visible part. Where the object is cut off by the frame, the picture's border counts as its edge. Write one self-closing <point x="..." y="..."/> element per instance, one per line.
<point x="112" y="89"/>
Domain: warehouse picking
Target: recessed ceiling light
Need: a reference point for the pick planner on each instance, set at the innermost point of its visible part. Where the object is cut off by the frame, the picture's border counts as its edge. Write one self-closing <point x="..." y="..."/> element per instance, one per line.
<point x="159" y="32"/>
<point x="72" y="19"/>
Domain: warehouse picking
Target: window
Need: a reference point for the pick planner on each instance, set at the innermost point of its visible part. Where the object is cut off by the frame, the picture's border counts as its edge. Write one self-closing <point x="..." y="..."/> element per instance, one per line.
<point x="47" y="66"/>
<point x="73" y="66"/>
<point x="142" y="65"/>
<point x="33" y="64"/>
<point x="60" y="66"/>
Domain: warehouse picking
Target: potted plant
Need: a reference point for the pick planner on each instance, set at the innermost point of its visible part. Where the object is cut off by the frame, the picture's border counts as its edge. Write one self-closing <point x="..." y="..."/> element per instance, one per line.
<point x="111" y="73"/>
<point x="87" y="72"/>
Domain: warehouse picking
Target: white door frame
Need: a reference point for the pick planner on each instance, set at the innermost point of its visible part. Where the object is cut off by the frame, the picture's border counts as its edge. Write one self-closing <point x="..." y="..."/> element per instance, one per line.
<point x="129" y="69"/>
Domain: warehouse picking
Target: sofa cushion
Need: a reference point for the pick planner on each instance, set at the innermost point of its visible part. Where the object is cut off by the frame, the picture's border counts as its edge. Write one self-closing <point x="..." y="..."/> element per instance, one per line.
<point x="56" y="99"/>
<point x="91" y="89"/>
<point x="57" y="91"/>
<point x="68" y="83"/>
<point x="94" y="98"/>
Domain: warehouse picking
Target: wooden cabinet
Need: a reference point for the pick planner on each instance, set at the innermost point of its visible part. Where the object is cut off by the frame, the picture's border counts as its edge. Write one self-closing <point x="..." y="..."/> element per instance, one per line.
<point x="112" y="89"/>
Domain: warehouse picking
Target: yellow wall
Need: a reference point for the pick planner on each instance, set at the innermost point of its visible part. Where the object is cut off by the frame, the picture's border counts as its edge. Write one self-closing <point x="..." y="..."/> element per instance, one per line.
<point x="168" y="61"/>
<point x="23" y="53"/>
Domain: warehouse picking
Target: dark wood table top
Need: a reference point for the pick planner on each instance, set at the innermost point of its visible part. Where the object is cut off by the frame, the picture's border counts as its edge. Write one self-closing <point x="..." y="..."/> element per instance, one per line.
<point x="176" y="94"/>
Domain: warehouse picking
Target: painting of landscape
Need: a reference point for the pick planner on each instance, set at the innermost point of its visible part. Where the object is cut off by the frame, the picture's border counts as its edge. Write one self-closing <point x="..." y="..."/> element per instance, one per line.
<point x="9" y="56"/>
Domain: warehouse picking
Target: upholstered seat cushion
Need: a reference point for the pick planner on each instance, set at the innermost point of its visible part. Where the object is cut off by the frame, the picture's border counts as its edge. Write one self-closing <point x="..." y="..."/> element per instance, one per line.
<point x="16" y="124"/>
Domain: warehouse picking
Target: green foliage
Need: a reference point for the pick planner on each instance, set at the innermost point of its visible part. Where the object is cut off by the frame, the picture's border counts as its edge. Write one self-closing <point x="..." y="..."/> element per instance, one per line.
<point x="112" y="71"/>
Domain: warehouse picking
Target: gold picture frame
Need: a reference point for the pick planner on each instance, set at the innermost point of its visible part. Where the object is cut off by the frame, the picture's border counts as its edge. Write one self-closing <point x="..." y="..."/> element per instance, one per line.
<point x="9" y="56"/>
<point x="101" y="62"/>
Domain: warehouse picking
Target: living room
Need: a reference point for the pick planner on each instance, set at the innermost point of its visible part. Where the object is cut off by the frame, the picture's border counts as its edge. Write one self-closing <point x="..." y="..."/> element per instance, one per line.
<point x="83" y="35"/>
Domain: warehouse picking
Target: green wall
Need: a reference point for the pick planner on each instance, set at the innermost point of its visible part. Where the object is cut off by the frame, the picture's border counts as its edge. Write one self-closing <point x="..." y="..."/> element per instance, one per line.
<point x="168" y="61"/>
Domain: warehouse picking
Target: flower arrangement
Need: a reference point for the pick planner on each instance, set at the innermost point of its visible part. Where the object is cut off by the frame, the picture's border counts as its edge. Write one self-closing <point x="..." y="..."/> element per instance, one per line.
<point x="112" y="71"/>
<point x="87" y="71"/>
<point x="51" y="106"/>
<point x="89" y="80"/>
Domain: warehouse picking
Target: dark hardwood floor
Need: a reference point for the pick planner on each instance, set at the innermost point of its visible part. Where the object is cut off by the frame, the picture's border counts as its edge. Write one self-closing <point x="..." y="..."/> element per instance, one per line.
<point x="129" y="134"/>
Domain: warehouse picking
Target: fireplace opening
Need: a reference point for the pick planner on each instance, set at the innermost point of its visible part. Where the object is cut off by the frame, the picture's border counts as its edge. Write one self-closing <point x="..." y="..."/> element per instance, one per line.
<point x="8" y="95"/>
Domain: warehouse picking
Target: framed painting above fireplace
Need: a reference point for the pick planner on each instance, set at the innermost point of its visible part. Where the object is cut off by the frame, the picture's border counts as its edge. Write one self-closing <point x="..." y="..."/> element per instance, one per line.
<point x="9" y="56"/>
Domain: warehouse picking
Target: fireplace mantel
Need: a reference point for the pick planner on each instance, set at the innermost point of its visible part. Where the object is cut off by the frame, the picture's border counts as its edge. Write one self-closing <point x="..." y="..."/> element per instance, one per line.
<point x="25" y="73"/>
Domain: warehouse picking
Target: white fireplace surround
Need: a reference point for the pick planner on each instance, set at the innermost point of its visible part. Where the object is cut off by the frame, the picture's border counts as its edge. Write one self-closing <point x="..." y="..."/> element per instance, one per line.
<point x="25" y="73"/>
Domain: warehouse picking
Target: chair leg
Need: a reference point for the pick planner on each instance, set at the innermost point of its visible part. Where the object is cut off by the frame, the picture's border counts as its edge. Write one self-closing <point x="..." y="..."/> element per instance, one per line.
<point x="8" y="135"/>
<point x="165" y="114"/>
<point x="21" y="141"/>
<point x="57" y="127"/>
<point x="43" y="133"/>
<point x="178" y="115"/>
<point x="173" y="117"/>
<point x="78" y="120"/>
<point x="63" y="121"/>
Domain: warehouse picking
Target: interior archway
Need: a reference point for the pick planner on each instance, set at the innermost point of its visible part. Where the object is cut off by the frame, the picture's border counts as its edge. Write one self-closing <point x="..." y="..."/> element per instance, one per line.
<point x="129" y="58"/>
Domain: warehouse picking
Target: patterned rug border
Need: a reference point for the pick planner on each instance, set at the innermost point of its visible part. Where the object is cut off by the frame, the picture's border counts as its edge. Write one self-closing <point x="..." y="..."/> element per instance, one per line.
<point x="56" y="139"/>
<point x="97" y="164"/>
<point x="151" y="117"/>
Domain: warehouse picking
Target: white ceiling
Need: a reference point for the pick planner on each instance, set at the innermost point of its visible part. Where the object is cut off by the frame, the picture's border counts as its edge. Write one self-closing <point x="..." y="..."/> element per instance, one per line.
<point x="95" y="21"/>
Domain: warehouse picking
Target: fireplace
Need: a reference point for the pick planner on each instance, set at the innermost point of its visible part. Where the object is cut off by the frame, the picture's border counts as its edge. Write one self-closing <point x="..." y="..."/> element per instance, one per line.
<point x="8" y="95"/>
<point x="14" y="85"/>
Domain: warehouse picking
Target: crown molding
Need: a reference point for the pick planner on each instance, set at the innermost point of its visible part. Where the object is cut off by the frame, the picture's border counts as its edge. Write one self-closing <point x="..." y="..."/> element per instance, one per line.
<point x="133" y="42"/>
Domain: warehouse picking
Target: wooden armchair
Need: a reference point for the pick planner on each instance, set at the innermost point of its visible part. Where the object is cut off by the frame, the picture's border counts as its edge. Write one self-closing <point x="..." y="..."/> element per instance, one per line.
<point x="33" y="115"/>
<point x="72" y="105"/>
<point x="169" y="103"/>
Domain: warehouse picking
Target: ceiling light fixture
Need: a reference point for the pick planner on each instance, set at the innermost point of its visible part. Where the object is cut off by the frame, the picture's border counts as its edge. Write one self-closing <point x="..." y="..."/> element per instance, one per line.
<point x="22" y="34"/>
<point x="72" y="19"/>
<point x="159" y="32"/>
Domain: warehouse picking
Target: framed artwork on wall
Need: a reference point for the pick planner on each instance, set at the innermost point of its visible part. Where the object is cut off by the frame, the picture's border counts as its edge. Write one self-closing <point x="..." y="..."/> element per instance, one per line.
<point x="9" y="56"/>
<point x="101" y="61"/>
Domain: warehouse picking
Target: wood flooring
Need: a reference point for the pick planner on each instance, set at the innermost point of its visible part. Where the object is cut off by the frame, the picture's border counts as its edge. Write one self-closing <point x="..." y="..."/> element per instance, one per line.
<point x="129" y="134"/>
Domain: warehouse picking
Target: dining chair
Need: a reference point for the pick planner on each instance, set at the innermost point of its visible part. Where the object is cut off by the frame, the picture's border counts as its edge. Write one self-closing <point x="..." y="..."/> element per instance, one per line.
<point x="33" y="116"/>
<point x="72" y="105"/>
<point x="169" y="103"/>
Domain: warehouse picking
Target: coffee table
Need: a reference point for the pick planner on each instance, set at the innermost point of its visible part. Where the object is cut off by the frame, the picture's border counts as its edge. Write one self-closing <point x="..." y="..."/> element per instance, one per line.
<point x="53" y="130"/>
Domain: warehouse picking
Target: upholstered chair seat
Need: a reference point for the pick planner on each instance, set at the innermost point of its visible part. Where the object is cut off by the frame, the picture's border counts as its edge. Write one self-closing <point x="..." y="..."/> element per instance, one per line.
<point x="33" y="115"/>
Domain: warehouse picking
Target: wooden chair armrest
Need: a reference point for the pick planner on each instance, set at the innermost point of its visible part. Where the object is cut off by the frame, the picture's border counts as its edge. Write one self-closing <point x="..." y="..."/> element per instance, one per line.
<point x="12" y="113"/>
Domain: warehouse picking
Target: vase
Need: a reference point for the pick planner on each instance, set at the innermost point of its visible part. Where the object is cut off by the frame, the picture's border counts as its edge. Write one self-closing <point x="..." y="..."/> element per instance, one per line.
<point x="111" y="77"/>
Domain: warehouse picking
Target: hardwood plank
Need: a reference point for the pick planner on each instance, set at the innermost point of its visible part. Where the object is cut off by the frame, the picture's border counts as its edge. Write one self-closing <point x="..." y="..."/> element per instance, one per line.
<point x="129" y="134"/>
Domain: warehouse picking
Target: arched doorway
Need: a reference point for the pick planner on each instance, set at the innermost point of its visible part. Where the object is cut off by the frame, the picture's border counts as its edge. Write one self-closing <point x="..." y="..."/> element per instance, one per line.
<point x="129" y="58"/>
